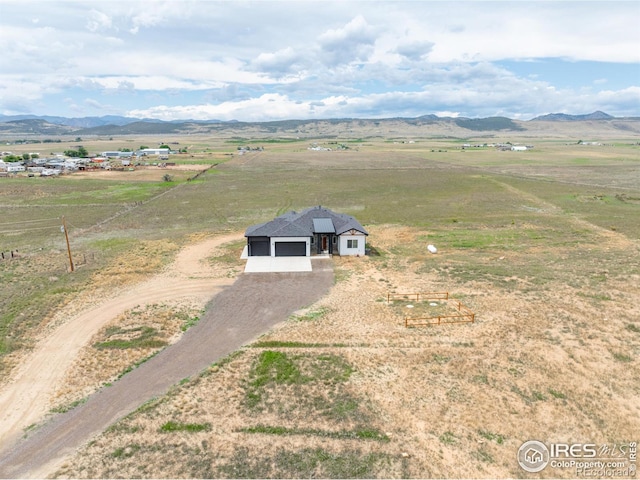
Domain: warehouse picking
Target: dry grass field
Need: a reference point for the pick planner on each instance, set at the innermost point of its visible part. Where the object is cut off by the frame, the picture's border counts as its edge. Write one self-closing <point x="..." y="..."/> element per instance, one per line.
<point x="543" y="245"/>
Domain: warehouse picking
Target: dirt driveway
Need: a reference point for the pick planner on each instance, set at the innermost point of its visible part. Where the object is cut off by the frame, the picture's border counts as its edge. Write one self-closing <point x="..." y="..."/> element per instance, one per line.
<point x="26" y="398"/>
<point x="235" y="316"/>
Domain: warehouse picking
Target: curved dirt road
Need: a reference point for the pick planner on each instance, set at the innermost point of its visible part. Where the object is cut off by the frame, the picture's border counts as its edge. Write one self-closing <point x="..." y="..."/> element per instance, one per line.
<point x="26" y="398"/>
<point x="235" y="316"/>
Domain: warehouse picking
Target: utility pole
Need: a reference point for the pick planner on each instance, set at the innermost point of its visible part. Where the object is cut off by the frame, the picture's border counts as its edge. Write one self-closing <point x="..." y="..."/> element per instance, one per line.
<point x="66" y="236"/>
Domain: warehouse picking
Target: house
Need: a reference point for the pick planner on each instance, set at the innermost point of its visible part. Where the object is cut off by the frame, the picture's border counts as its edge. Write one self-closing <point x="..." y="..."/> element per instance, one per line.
<point x="15" y="167"/>
<point x="313" y="231"/>
<point x="116" y="154"/>
<point x="152" y="151"/>
<point x="110" y="154"/>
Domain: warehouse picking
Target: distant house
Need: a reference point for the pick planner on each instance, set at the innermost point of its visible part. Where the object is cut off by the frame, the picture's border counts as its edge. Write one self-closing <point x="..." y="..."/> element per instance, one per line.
<point x="116" y="154"/>
<point x="312" y="231"/>
<point x="110" y="154"/>
<point x="518" y="148"/>
<point x="152" y="151"/>
<point x="15" y="168"/>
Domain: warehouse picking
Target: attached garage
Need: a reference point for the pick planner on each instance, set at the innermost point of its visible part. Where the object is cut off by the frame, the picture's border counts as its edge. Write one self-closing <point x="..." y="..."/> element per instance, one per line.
<point x="291" y="249"/>
<point x="315" y="229"/>
<point x="259" y="247"/>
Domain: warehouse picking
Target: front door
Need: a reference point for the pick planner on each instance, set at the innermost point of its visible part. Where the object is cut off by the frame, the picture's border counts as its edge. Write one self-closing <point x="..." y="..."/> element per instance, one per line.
<point x="325" y="243"/>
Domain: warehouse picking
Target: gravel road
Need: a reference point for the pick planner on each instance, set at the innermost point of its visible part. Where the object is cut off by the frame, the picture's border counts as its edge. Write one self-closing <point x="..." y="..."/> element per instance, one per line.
<point x="236" y="316"/>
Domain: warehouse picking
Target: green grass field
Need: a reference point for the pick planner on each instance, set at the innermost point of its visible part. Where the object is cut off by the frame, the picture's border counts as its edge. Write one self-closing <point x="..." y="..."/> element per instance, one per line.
<point x="477" y="200"/>
<point x="542" y="244"/>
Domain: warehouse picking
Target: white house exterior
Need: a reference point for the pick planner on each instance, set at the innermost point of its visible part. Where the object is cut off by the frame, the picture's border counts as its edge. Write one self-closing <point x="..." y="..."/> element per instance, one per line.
<point x="313" y="231"/>
<point x="152" y="151"/>
<point x="352" y="243"/>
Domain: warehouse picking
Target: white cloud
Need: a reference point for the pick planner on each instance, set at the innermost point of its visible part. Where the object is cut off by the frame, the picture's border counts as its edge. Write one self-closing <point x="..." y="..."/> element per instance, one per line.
<point x="353" y="42"/>
<point x="98" y="21"/>
<point x="298" y="57"/>
<point x="281" y="63"/>
<point x="270" y="106"/>
<point x="415" y="50"/>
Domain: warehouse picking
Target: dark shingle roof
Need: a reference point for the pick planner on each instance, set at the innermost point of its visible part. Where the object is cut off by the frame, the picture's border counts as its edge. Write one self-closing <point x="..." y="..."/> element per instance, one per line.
<point x="305" y="224"/>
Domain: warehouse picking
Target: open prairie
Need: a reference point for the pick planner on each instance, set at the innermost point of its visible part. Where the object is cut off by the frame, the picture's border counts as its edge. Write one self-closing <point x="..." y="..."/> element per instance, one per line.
<point x="543" y="245"/>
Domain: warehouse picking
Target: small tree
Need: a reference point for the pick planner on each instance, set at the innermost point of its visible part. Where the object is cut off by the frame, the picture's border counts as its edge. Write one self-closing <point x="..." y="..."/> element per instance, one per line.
<point x="167" y="178"/>
<point x="26" y="156"/>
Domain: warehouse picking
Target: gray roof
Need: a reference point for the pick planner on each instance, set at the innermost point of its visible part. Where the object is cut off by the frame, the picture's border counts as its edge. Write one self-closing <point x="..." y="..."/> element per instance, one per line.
<point x="305" y="224"/>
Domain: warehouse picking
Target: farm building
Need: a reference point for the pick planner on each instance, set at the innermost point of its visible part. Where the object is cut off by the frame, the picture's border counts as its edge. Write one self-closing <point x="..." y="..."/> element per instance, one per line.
<point x="116" y="154"/>
<point x="313" y="231"/>
<point x="152" y="151"/>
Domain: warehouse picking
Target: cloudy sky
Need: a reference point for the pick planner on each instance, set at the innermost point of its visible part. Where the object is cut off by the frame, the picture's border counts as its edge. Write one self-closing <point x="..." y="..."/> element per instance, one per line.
<point x="270" y="60"/>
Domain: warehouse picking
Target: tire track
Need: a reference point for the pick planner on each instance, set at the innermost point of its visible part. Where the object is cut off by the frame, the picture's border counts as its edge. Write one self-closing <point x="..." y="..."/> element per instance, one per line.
<point x="237" y="315"/>
<point x="25" y="399"/>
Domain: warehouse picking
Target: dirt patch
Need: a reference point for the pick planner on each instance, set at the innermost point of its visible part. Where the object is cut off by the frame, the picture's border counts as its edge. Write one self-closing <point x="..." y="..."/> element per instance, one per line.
<point x="237" y="315"/>
<point x="33" y="387"/>
<point x="553" y="355"/>
<point x="143" y="174"/>
<point x="556" y="363"/>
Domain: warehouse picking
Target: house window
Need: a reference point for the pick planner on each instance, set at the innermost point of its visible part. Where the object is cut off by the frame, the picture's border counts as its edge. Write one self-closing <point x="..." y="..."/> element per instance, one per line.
<point x="335" y="240"/>
<point x="313" y="240"/>
<point x="352" y="243"/>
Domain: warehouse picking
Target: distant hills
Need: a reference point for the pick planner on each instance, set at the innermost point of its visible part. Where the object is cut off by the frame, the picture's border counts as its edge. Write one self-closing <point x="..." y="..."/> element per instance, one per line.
<point x="111" y="125"/>
<point x="90" y="122"/>
<point x="563" y="117"/>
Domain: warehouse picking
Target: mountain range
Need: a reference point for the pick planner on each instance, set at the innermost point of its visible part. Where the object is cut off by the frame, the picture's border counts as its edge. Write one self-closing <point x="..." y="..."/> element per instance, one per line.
<point x="119" y="125"/>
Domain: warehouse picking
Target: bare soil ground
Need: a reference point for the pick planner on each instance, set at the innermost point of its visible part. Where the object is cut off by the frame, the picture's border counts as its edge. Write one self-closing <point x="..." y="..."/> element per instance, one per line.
<point x="343" y="389"/>
<point x="50" y="376"/>
<point x="237" y="315"/>
<point x="374" y="399"/>
<point x="144" y="173"/>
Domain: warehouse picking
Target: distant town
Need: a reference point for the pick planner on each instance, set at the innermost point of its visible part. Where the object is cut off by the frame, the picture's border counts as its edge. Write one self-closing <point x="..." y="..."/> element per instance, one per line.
<point x="57" y="164"/>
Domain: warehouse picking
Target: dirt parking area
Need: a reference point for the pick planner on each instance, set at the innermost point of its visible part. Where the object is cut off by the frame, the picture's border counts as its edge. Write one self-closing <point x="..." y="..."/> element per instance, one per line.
<point x="143" y="173"/>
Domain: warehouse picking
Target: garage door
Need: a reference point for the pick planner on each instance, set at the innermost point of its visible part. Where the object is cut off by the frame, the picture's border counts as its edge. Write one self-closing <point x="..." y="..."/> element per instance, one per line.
<point x="291" y="249"/>
<point x="259" y="248"/>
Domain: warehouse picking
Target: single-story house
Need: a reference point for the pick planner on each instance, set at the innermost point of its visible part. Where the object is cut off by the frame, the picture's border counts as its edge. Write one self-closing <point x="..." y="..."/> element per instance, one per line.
<point x="152" y="151"/>
<point x="313" y="231"/>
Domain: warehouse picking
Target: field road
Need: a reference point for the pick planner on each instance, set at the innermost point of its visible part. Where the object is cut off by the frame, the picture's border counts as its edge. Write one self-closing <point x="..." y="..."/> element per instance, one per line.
<point x="26" y="398"/>
<point x="236" y="315"/>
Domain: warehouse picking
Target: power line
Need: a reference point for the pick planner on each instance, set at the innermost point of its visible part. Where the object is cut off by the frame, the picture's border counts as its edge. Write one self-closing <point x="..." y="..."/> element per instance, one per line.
<point x="28" y="229"/>
<point x="31" y="221"/>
